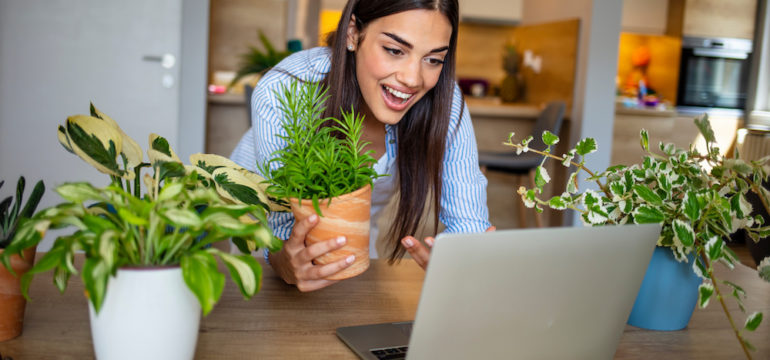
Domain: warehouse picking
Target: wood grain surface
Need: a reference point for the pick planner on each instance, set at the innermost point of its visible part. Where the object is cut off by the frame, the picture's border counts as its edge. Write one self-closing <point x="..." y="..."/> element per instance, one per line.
<point x="283" y="323"/>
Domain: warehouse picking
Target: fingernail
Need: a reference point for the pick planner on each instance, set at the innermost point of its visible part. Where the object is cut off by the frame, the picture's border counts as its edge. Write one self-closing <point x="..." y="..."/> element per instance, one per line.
<point x="408" y="242"/>
<point x="341" y="240"/>
<point x="429" y="241"/>
<point x="350" y="259"/>
<point x="313" y="218"/>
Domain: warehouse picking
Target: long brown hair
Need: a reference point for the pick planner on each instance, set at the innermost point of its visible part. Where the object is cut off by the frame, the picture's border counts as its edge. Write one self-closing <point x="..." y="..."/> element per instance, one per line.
<point x="423" y="130"/>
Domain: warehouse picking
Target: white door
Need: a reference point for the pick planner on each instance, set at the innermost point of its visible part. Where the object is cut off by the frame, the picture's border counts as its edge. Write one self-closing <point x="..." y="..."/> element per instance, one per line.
<point x="56" y="56"/>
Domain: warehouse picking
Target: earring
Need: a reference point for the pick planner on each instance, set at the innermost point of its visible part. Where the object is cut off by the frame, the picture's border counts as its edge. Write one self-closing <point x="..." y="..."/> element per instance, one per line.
<point x="350" y="47"/>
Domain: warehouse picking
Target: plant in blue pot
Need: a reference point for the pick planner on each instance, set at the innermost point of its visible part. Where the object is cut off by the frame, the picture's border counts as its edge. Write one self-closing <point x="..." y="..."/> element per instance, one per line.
<point x="699" y="198"/>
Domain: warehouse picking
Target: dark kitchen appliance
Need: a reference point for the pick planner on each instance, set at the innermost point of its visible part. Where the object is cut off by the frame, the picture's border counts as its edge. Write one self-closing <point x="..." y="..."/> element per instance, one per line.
<point x="714" y="72"/>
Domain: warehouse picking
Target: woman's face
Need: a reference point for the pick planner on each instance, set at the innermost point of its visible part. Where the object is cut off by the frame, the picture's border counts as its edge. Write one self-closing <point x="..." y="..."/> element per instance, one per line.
<point x="399" y="58"/>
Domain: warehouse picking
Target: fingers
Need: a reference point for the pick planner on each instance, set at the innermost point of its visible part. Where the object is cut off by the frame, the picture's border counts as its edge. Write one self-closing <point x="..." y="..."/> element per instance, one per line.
<point x="313" y="251"/>
<point x="301" y="228"/>
<point x="419" y="253"/>
<point x="322" y="271"/>
<point x="491" y="229"/>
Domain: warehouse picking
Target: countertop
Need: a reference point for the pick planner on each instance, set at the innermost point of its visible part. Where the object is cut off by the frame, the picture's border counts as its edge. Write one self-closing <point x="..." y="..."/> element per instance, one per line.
<point x="645" y="111"/>
<point x="487" y="107"/>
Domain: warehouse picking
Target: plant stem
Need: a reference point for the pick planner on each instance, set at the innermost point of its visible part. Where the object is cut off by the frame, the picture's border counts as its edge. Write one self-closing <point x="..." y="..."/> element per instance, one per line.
<point x="722" y="301"/>
<point x="579" y="166"/>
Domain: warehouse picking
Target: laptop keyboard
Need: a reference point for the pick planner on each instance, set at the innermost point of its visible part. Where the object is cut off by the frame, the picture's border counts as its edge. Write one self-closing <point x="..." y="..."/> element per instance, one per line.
<point x="390" y="353"/>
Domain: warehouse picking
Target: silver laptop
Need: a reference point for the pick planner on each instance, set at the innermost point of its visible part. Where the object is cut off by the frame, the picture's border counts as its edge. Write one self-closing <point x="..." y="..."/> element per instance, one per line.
<point x="552" y="293"/>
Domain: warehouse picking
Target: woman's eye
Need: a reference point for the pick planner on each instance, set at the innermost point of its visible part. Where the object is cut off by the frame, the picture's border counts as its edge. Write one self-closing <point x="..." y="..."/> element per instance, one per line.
<point x="434" y="61"/>
<point x="392" y="51"/>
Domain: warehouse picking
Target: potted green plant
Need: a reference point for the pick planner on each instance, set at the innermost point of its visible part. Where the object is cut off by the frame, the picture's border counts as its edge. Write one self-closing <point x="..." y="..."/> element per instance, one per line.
<point x="698" y="198"/>
<point x="12" y="303"/>
<point x="324" y="170"/>
<point x="148" y="269"/>
<point x="257" y="62"/>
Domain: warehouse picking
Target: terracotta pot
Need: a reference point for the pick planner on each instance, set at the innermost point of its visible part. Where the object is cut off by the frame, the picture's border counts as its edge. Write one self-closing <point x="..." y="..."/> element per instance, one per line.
<point x="12" y="303"/>
<point x="348" y="216"/>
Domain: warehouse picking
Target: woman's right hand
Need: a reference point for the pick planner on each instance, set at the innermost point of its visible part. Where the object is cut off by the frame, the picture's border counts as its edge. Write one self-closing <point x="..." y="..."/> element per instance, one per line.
<point x="294" y="263"/>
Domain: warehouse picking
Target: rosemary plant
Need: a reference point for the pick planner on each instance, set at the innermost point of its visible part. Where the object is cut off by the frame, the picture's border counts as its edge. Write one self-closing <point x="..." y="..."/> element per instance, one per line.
<point x="318" y="161"/>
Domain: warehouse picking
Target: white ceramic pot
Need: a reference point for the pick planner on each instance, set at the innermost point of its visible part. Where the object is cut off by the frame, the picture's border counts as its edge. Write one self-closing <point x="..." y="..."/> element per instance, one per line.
<point x="148" y="313"/>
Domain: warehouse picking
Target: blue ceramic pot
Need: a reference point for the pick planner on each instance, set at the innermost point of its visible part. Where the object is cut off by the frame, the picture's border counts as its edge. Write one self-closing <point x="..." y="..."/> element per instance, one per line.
<point x="668" y="293"/>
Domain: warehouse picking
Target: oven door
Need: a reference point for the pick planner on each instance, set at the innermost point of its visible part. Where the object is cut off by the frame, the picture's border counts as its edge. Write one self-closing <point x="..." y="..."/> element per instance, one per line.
<point x="713" y="78"/>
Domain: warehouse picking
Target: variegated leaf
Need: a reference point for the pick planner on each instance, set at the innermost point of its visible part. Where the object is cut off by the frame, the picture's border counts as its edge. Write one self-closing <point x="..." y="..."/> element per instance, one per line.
<point x="131" y="149"/>
<point x="210" y="162"/>
<point x="96" y="142"/>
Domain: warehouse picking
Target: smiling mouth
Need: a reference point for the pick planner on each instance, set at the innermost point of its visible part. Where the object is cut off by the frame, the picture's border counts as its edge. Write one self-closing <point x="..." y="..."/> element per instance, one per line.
<point x="395" y="96"/>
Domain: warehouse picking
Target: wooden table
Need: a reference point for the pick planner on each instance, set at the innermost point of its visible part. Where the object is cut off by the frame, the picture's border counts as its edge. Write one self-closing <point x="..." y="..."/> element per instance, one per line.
<point x="282" y="323"/>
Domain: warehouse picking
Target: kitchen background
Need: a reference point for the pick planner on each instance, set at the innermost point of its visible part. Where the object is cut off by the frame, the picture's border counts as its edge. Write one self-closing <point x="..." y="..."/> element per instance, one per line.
<point x="616" y="64"/>
<point x="546" y="56"/>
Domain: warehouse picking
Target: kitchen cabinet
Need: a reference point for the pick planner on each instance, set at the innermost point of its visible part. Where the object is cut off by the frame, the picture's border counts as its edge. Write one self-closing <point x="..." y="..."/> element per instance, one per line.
<point x="719" y="18"/>
<point x="644" y="16"/>
<point x="491" y="11"/>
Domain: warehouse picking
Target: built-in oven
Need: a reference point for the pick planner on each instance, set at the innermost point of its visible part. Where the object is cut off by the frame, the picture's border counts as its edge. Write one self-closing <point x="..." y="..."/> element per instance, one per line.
<point x="714" y="72"/>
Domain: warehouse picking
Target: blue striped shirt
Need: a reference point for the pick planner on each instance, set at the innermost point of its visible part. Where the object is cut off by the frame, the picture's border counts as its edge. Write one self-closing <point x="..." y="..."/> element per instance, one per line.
<point x="463" y="198"/>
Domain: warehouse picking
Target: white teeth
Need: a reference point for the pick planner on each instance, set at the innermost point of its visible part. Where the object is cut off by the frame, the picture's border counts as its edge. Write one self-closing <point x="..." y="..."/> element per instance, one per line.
<point x="398" y="94"/>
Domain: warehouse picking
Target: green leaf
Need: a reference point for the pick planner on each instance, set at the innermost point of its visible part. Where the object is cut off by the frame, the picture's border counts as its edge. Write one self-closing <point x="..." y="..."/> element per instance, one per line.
<point x="557" y="203"/>
<point x="699" y="269"/>
<point x="95" y="142"/>
<point x="647" y="215"/>
<point x="572" y="183"/>
<point x="586" y="146"/>
<point x="617" y="188"/>
<point x="203" y="278"/>
<point x="704" y="126"/>
<point x="647" y="195"/>
<point x="753" y="321"/>
<point x="161" y="144"/>
<point x="541" y="177"/>
<point x="705" y="291"/>
<point x="549" y="138"/>
<point x="764" y="269"/>
<point x="644" y="140"/>
<point x="95" y="275"/>
<point x="692" y="207"/>
<point x="170" y="191"/>
<point x="49" y="261"/>
<point x="714" y="247"/>
<point x="183" y="218"/>
<point x="131" y="218"/>
<point x="683" y="233"/>
<point x="245" y="271"/>
<point x="79" y="192"/>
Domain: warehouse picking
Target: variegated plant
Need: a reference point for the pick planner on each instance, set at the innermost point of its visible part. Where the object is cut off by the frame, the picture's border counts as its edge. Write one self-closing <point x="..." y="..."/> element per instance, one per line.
<point x="182" y="210"/>
<point x="699" y="199"/>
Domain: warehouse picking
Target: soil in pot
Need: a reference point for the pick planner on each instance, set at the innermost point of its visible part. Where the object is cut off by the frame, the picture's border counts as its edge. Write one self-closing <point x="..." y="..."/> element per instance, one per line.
<point x="347" y="215"/>
<point x="12" y="303"/>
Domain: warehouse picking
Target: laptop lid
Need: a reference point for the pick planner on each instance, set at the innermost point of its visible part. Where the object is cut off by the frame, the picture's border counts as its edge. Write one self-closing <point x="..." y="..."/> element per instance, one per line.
<point x="551" y="293"/>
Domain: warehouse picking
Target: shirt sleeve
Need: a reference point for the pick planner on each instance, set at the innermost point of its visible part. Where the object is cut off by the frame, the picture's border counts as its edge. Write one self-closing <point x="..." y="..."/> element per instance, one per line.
<point x="464" y="187"/>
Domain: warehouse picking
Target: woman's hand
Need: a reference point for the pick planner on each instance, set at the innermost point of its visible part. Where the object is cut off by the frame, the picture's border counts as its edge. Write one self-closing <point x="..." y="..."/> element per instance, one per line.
<point x="294" y="263"/>
<point x="421" y="253"/>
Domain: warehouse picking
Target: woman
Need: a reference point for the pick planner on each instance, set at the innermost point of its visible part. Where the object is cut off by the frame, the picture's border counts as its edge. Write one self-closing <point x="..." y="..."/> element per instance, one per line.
<point x="393" y="61"/>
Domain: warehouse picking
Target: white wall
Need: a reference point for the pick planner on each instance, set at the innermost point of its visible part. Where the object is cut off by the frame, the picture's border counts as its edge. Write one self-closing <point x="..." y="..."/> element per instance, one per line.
<point x="192" y="82"/>
<point x="50" y="68"/>
<point x="593" y="109"/>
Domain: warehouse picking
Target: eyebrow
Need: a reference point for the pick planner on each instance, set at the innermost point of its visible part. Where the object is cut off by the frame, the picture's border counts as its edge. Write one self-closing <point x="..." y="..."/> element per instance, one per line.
<point x="410" y="46"/>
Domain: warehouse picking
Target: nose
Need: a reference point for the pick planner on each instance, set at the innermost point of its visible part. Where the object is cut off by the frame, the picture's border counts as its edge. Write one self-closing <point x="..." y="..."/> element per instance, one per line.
<point x="410" y="74"/>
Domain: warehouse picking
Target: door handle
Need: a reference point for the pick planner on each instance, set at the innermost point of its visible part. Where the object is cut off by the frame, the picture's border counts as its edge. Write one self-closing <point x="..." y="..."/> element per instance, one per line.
<point x="167" y="61"/>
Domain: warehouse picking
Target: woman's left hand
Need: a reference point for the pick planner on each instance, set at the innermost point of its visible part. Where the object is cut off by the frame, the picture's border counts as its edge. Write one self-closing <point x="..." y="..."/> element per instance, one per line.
<point x="421" y="253"/>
